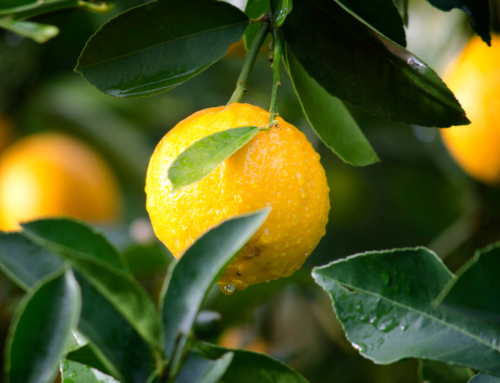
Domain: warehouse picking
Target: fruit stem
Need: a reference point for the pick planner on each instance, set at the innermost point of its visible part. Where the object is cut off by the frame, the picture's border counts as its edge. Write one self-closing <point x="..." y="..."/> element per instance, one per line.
<point x="276" y="76"/>
<point x="241" y="85"/>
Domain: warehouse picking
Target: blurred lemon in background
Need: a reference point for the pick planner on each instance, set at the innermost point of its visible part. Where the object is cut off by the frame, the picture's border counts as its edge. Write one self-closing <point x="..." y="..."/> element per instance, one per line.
<point x="277" y="168"/>
<point x="474" y="77"/>
<point x="51" y="174"/>
<point x="238" y="337"/>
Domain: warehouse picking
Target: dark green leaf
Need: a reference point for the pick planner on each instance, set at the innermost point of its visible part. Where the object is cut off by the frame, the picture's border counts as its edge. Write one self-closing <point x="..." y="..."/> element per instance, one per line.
<point x="436" y="372"/>
<point x="118" y="287"/>
<point x="484" y="378"/>
<point x="383" y="300"/>
<point x="87" y="355"/>
<point x="383" y="15"/>
<point x="25" y="262"/>
<point x="197" y="369"/>
<point x="207" y="324"/>
<point x="280" y="10"/>
<point x="476" y="291"/>
<point x="72" y="372"/>
<point x="254" y="9"/>
<point x="202" y="157"/>
<point x="147" y="259"/>
<point x="251" y="367"/>
<point x="329" y="118"/>
<point x="41" y="329"/>
<point x="478" y="11"/>
<point x="202" y="265"/>
<point x="116" y="347"/>
<point x="5" y="4"/>
<point x="70" y="235"/>
<point x="159" y="45"/>
<point x="354" y="63"/>
<point x="38" y="32"/>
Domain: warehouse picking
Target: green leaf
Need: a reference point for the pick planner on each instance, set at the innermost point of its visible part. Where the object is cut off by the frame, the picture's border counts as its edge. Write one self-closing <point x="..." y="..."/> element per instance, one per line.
<point x="111" y="337"/>
<point x="41" y="329"/>
<point x="478" y="11"/>
<point x="202" y="264"/>
<point x="251" y="367"/>
<point x="366" y="69"/>
<point x="383" y="15"/>
<point x="254" y="9"/>
<point x="476" y="291"/>
<point x="118" y="287"/>
<point x="484" y="378"/>
<point x="280" y="10"/>
<point x="159" y="45"/>
<point x="72" y="372"/>
<point x="383" y="300"/>
<point x="197" y="369"/>
<point x="35" y="31"/>
<point x="71" y="235"/>
<point x="436" y="372"/>
<point x="202" y="157"/>
<point x="329" y="118"/>
<point x="25" y="262"/>
<point x="87" y="355"/>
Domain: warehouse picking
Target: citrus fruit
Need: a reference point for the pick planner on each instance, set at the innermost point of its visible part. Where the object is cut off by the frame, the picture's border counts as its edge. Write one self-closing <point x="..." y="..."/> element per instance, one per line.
<point x="237" y="337"/>
<point x="474" y="77"/>
<point x="277" y="168"/>
<point x="51" y="174"/>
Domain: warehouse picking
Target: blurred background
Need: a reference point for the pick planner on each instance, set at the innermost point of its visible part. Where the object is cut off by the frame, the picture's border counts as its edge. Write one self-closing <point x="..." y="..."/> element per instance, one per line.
<point x="78" y="152"/>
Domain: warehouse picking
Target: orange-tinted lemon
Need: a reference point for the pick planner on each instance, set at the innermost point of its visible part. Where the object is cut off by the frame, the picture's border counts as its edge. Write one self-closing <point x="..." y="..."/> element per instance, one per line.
<point x="474" y="77"/>
<point x="51" y="174"/>
<point x="277" y="168"/>
<point x="237" y="337"/>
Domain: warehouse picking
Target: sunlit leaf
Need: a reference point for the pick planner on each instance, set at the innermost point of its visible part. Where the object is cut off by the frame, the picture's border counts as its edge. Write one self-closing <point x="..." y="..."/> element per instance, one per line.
<point x="202" y="157"/>
<point x="383" y="300"/>
<point x="193" y="275"/>
<point x="72" y="372"/>
<point x="280" y="10"/>
<point x="35" y="31"/>
<point x="329" y="118"/>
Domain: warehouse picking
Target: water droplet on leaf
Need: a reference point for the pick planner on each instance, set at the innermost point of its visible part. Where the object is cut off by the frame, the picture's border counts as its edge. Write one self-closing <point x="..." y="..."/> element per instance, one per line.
<point x="228" y="289"/>
<point x="386" y="277"/>
<point x="360" y="347"/>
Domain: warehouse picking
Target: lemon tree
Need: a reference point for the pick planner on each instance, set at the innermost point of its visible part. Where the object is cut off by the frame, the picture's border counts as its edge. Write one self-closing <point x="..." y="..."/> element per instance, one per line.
<point x="240" y="197"/>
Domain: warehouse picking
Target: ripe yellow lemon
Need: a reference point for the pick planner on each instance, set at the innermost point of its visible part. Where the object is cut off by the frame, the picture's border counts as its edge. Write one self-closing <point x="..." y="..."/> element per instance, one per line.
<point x="277" y="168"/>
<point x="474" y="77"/>
<point x="51" y="174"/>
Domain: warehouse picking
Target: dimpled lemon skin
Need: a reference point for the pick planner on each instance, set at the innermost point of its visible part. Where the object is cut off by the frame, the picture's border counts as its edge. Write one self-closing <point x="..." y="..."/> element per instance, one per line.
<point x="51" y="174"/>
<point x="474" y="77"/>
<point x="277" y="168"/>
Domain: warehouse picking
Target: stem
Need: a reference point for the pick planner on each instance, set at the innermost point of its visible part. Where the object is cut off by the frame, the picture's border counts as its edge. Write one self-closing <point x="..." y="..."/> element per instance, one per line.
<point x="241" y="85"/>
<point x="276" y="76"/>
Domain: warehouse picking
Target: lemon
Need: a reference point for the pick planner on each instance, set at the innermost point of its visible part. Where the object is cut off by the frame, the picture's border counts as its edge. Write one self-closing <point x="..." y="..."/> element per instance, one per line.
<point x="277" y="168"/>
<point x="474" y="77"/>
<point x="51" y="174"/>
